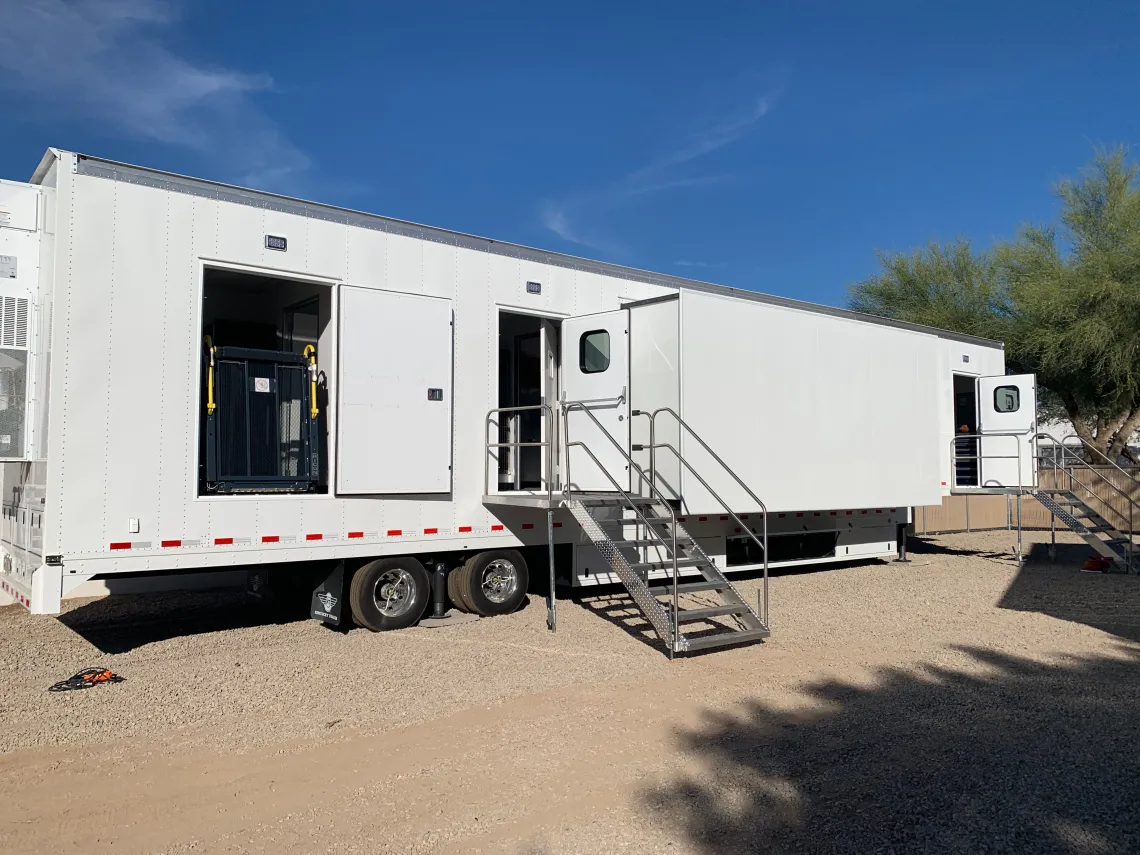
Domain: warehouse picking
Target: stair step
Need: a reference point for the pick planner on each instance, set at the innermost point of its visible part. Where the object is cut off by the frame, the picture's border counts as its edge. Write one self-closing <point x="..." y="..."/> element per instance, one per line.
<point x="652" y="541"/>
<point x="690" y="615"/>
<point x="1117" y="541"/>
<point x="687" y="588"/>
<point x="667" y="565"/>
<point x="723" y="639"/>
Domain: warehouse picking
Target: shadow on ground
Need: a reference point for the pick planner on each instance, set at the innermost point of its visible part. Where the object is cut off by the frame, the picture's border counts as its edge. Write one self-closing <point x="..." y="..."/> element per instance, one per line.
<point x="1025" y="758"/>
<point x="1055" y="586"/>
<point x="122" y="623"/>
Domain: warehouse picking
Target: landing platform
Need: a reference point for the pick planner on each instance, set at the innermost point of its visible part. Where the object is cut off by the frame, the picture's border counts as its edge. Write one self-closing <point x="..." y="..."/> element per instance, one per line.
<point x="523" y="500"/>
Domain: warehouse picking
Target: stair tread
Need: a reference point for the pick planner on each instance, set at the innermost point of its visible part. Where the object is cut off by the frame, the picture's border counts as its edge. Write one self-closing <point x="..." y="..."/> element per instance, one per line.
<point x="722" y="639"/>
<point x="689" y="615"/>
<point x="688" y="588"/>
<point x="665" y="565"/>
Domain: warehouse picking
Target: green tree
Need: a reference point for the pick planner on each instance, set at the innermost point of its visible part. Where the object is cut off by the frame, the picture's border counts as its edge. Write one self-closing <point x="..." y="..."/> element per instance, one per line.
<point x="1064" y="297"/>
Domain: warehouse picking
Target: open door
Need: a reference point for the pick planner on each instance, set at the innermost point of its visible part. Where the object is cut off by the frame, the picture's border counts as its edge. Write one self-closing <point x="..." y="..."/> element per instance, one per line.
<point x="595" y="372"/>
<point x="1007" y="405"/>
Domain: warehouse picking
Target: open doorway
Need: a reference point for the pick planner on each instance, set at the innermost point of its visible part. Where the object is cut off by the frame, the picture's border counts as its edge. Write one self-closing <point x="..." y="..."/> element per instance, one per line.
<point x="965" y="422"/>
<point x="263" y="410"/>
<point x="528" y="372"/>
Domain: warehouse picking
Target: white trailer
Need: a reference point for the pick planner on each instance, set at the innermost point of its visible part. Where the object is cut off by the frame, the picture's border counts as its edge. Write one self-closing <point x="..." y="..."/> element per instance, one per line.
<point x="471" y="405"/>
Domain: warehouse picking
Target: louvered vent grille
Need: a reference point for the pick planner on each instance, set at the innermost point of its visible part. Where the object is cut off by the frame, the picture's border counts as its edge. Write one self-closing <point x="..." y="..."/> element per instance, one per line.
<point x="13" y="322"/>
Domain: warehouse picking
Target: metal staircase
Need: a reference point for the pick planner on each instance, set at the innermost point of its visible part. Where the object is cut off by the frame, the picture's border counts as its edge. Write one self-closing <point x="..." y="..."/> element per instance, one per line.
<point x="640" y="538"/>
<point x="1093" y="528"/>
<point x="1074" y="491"/>
<point x="639" y="547"/>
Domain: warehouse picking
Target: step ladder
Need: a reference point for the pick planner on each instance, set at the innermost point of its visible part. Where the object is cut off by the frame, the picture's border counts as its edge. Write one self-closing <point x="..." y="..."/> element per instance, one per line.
<point x="1083" y="519"/>
<point x="635" y="536"/>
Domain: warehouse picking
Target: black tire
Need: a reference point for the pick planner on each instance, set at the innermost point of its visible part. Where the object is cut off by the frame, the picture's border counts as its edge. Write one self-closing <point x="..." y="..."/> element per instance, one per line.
<point x="379" y="608"/>
<point x="453" y="593"/>
<point x="505" y="565"/>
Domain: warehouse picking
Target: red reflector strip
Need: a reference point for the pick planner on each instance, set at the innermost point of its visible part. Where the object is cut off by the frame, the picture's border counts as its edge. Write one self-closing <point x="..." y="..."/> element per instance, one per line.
<point x="431" y="531"/>
<point x="528" y="525"/>
<point x="355" y="534"/>
<point x="558" y="525"/>
<point x="724" y="518"/>
<point x="878" y="512"/>
<point x="223" y="541"/>
<point x="864" y="513"/>
<point x="782" y="516"/>
<point x="892" y="510"/>
<point x="496" y="528"/>
<point x="121" y="545"/>
<point x="849" y="513"/>
<point x="270" y="538"/>
<point x="944" y="483"/>
<point x="680" y="519"/>
<point x="799" y="515"/>
<point x="702" y="519"/>
<point x="737" y="529"/>
<point x="816" y="514"/>
<point x="314" y="537"/>
<point x="463" y="529"/>
<point x="744" y="516"/>
<point x="833" y="513"/>
<point x="171" y="543"/>
<point x="395" y="532"/>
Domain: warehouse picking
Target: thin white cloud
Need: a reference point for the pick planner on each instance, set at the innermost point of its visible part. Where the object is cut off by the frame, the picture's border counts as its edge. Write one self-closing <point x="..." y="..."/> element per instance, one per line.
<point x="105" y="60"/>
<point x="694" y="264"/>
<point x="659" y="175"/>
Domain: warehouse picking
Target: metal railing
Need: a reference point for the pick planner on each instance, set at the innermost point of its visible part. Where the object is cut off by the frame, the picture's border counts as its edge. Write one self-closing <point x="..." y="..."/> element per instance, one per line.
<point x="762" y="541"/>
<point x="1066" y="470"/>
<point x="568" y="491"/>
<point x="516" y="446"/>
<point x="978" y="457"/>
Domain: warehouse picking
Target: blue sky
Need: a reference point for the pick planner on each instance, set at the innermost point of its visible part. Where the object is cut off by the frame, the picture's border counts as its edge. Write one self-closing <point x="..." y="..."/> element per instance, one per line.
<point x="771" y="146"/>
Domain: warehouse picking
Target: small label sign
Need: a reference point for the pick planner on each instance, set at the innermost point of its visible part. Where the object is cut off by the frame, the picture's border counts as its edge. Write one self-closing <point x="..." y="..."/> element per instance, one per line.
<point x="534" y="287"/>
<point x="261" y="384"/>
<point x="276" y="242"/>
<point x="7" y="267"/>
<point x="435" y="394"/>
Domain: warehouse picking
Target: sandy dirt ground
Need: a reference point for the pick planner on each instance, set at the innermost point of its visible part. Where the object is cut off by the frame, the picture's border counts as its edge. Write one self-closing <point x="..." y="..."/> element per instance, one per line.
<point x="956" y="704"/>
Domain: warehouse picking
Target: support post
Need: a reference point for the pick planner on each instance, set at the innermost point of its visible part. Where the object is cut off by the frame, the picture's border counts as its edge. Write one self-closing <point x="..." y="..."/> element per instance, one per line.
<point x="1052" y="537"/>
<point x="551" y="611"/>
<point x="902" y="559"/>
<point x="439" y="591"/>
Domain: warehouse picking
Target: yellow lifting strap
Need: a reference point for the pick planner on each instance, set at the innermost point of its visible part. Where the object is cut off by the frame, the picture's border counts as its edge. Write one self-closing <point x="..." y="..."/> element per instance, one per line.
<point x="210" y="405"/>
<point x="311" y="352"/>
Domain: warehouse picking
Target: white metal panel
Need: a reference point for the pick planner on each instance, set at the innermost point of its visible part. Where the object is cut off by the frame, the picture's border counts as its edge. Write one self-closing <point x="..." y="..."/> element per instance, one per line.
<point x="18" y="206"/>
<point x="606" y="393"/>
<point x="655" y="381"/>
<point x="392" y="437"/>
<point x="811" y="411"/>
<point x="1008" y="405"/>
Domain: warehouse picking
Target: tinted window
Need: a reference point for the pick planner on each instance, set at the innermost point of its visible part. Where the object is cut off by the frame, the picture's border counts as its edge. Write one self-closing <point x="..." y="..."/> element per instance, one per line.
<point x="594" y="351"/>
<point x="1007" y="399"/>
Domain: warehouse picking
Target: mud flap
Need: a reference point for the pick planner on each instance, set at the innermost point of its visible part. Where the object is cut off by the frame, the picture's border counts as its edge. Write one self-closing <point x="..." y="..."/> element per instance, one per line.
<point x="328" y="597"/>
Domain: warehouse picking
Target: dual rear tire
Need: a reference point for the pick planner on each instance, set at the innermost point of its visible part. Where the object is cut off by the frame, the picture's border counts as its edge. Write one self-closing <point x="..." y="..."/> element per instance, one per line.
<point x="393" y="593"/>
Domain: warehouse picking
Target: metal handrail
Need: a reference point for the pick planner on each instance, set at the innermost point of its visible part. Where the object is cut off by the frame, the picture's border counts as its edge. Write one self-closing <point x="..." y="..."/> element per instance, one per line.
<point x="1068" y="471"/>
<point x="568" y="489"/>
<point x="548" y="444"/>
<point x="653" y="445"/>
<point x="979" y="457"/>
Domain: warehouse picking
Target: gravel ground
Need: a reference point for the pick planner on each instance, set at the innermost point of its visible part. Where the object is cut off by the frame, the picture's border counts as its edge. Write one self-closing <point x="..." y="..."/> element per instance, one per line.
<point x="953" y="704"/>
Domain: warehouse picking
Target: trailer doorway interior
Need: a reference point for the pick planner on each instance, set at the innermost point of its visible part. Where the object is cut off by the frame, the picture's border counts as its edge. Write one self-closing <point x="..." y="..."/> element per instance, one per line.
<point x="965" y="422"/>
<point x="261" y="336"/>
<point x="528" y="377"/>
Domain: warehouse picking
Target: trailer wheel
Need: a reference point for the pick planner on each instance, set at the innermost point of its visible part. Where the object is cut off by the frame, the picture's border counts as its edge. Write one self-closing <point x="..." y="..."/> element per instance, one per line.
<point x="389" y="593"/>
<point x="454" y="592"/>
<point x="494" y="583"/>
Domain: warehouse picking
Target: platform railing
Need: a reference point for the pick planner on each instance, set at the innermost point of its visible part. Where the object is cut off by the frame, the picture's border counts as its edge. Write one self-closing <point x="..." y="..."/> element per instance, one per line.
<point x="761" y="541"/>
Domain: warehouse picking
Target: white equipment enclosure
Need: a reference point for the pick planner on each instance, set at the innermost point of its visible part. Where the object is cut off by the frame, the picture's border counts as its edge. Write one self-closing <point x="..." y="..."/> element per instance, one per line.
<point x="196" y="377"/>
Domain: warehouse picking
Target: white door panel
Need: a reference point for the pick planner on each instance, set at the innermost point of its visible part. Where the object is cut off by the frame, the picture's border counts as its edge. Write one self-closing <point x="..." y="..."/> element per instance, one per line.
<point x="394" y="418"/>
<point x="595" y="369"/>
<point x="1008" y="405"/>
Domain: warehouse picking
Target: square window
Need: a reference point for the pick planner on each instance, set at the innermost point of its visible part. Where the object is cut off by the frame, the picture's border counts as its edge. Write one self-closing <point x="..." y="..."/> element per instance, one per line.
<point x="1007" y="399"/>
<point x="594" y="351"/>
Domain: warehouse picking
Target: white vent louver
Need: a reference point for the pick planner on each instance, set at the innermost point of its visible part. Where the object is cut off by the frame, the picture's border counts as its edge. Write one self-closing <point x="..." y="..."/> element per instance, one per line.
<point x="14" y="322"/>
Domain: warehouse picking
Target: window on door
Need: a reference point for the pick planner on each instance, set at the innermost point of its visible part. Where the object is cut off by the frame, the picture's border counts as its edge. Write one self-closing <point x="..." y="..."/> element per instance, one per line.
<point x="594" y="352"/>
<point x="1007" y="399"/>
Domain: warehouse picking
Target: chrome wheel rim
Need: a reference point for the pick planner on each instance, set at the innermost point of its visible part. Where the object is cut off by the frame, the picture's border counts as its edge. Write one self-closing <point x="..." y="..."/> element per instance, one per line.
<point x="499" y="581"/>
<point x="395" y="592"/>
